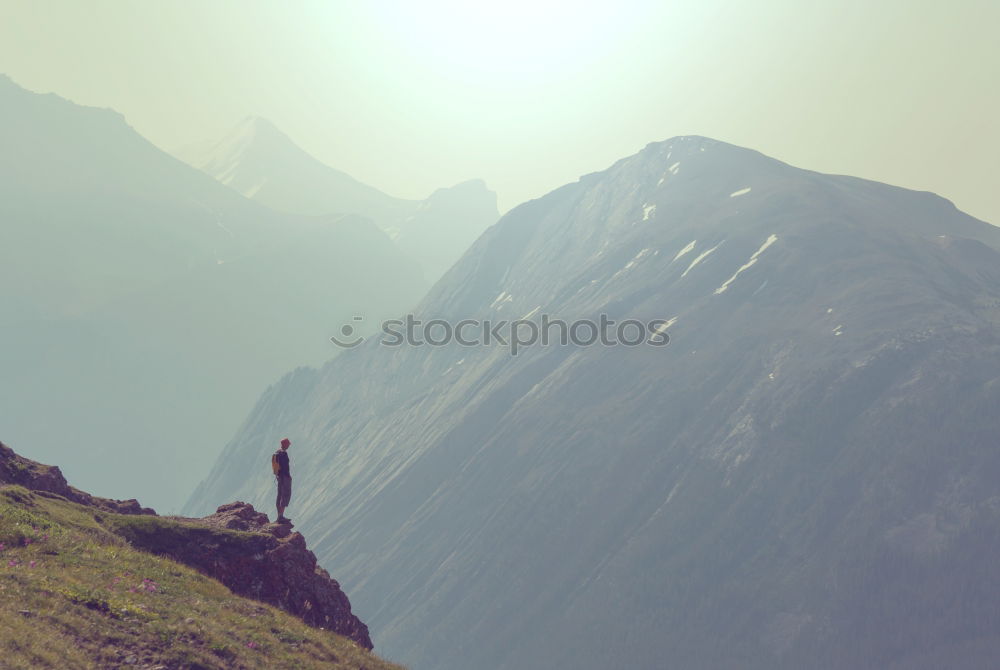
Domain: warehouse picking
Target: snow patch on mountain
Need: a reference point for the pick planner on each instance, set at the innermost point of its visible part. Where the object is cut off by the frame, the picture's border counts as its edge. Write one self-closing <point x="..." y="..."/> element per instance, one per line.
<point x="699" y="259"/>
<point x="753" y="259"/>
<point x="685" y="250"/>
<point x="252" y="191"/>
<point x="500" y="300"/>
<point x="666" y="324"/>
<point x="631" y="264"/>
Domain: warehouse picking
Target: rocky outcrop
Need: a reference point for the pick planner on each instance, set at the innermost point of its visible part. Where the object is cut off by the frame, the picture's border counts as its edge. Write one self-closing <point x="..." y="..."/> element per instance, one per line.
<point x="269" y="562"/>
<point x="236" y="545"/>
<point x="15" y="469"/>
<point x="253" y="558"/>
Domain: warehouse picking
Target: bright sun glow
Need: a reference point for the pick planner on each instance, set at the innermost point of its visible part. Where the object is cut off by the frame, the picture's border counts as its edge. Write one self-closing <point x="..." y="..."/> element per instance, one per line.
<point x="515" y="38"/>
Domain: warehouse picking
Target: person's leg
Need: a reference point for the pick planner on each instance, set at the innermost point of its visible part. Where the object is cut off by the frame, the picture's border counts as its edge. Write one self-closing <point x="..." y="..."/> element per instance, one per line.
<point x="284" y="495"/>
<point x="277" y="501"/>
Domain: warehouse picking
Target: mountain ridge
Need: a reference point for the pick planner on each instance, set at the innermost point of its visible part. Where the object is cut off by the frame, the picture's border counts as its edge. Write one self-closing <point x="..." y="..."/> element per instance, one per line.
<point x="748" y="496"/>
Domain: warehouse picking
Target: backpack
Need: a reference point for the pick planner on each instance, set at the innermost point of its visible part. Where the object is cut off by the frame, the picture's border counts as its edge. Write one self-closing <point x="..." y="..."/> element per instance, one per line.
<point x="275" y="466"/>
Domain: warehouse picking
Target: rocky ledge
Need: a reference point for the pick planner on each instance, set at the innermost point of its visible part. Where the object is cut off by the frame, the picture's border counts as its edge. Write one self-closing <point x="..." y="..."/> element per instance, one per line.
<point x="237" y="546"/>
<point x="257" y="559"/>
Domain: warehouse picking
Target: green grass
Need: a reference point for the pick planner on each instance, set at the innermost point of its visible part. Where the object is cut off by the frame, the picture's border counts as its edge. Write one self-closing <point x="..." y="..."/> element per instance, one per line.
<point x="74" y="594"/>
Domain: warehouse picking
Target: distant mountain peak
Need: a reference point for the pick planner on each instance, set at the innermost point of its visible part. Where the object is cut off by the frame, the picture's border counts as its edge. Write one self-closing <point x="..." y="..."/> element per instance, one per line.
<point x="257" y="129"/>
<point x="469" y="188"/>
<point x="261" y="161"/>
<point x="259" y="123"/>
<point x="251" y="141"/>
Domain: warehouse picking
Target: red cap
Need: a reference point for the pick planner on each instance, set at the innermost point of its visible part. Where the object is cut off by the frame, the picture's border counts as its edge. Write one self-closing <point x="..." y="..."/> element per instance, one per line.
<point x="286" y="442"/>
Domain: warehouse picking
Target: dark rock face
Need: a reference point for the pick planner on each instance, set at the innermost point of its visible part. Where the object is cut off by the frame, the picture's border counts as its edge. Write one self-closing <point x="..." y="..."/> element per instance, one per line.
<point x="806" y="476"/>
<point x="254" y="559"/>
<point x="260" y="560"/>
<point x="280" y="571"/>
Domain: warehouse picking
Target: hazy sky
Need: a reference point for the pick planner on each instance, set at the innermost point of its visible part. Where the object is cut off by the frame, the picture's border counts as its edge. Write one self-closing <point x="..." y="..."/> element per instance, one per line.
<point x="409" y="96"/>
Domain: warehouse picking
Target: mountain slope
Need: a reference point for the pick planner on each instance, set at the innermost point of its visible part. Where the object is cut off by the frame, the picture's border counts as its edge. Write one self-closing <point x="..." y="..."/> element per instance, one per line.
<point x="76" y="591"/>
<point x="264" y="164"/>
<point x="148" y="305"/>
<point x="805" y="476"/>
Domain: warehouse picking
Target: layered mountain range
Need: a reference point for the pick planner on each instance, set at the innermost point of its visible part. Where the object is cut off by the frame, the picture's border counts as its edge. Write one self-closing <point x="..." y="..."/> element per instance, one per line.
<point x="144" y="305"/>
<point x="804" y="476"/>
<point x="264" y="164"/>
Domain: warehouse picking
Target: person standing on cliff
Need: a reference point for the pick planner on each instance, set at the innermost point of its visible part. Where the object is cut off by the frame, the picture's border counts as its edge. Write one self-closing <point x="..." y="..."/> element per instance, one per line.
<point x="283" y="473"/>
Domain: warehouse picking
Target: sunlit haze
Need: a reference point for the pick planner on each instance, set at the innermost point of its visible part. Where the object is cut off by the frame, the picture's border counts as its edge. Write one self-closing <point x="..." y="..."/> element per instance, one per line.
<point x="529" y="95"/>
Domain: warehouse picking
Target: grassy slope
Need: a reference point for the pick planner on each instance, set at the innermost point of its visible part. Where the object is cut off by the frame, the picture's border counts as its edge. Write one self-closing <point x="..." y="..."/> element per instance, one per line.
<point x="73" y="594"/>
